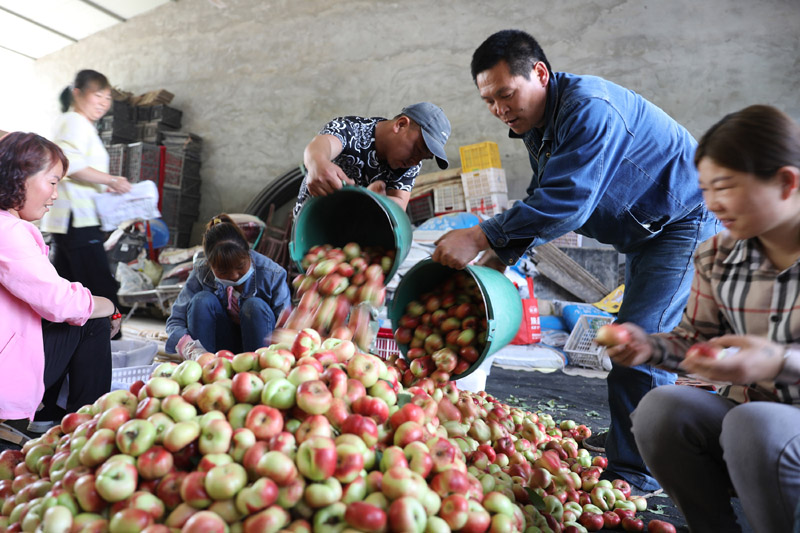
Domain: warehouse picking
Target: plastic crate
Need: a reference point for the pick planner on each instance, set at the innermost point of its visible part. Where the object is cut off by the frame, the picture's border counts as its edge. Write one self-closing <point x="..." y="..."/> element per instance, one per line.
<point x="580" y="348"/>
<point x="569" y="240"/>
<point x="153" y="131"/>
<point x="127" y="353"/>
<point x="181" y="140"/>
<point x="484" y="181"/>
<point x="105" y="123"/>
<point x="166" y="114"/>
<point x="480" y="155"/>
<point x="123" y="110"/>
<point x="117" y="159"/>
<point x="448" y="198"/>
<point x="420" y="208"/>
<point x="124" y="129"/>
<point x="180" y="236"/>
<point x="143" y="161"/>
<point x="177" y="207"/>
<point x="131" y="374"/>
<point x="490" y="204"/>
<point x="385" y="345"/>
<point x="178" y="164"/>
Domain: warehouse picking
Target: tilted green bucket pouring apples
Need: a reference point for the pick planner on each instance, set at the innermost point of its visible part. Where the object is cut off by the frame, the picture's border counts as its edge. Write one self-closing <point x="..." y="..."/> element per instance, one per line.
<point x="351" y="214"/>
<point x="356" y="214"/>
<point x="501" y="312"/>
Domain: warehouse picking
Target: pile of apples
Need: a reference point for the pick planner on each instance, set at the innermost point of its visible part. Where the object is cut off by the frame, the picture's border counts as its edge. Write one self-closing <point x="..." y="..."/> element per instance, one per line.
<point x="444" y="330"/>
<point x="338" y="288"/>
<point x="306" y="435"/>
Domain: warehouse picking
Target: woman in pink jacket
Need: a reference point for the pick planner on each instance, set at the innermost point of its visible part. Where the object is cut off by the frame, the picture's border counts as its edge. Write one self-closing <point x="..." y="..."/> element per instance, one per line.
<point x="45" y="331"/>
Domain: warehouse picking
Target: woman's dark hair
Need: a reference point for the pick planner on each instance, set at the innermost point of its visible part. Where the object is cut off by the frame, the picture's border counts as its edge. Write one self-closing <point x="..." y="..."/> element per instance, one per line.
<point x="225" y="244"/>
<point x="517" y="48"/>
<point x="21" y="156"/>
<point x="84" y="80"/>
<point x="757" y="140"/>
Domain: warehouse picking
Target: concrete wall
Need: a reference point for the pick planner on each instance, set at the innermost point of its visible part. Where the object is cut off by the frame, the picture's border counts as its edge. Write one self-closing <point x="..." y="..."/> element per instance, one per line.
<point x="256" y="79"/>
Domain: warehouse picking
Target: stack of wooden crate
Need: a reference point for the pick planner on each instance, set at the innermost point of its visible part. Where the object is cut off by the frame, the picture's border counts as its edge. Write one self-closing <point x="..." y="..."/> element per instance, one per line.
<point x="145" y="143"/>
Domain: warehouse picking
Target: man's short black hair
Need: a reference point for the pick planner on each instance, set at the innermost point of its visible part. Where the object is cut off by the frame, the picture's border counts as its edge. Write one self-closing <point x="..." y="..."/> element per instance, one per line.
<point x="517" y="48"/>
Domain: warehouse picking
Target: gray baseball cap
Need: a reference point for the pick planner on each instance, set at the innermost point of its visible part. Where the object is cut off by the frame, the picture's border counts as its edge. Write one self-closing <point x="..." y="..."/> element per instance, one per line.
<point x="435" y="128"/>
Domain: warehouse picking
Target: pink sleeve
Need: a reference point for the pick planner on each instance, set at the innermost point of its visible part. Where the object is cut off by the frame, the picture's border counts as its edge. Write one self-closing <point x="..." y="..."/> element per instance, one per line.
<point x="26" y="272"/>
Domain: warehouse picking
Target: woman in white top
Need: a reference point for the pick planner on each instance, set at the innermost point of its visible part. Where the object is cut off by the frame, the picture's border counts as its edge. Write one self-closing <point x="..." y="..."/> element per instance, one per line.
<point x="78" y="253"/>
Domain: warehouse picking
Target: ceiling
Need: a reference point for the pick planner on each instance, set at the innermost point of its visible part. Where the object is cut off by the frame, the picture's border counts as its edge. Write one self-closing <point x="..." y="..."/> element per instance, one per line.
<point x="35" y="28"/>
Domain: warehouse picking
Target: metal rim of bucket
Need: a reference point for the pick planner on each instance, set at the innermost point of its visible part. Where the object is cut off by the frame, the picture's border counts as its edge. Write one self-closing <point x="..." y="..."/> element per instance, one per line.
<point x="297" y="255"/>
<point x="395" y="313"/>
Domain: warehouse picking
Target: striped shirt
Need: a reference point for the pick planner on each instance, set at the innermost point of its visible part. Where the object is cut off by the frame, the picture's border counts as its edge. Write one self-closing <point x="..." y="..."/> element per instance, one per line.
<point x="737" y="290"/>
<point x="79" y="140"/>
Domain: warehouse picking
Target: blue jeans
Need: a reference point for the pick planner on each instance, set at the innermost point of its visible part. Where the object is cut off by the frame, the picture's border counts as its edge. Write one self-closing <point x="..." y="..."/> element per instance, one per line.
<point x="208" y="321"/>
<point x="658" y="278"/>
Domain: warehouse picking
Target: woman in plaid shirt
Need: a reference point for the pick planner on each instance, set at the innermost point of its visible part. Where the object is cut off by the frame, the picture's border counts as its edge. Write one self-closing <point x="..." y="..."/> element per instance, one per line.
<point x="745" y="296"/>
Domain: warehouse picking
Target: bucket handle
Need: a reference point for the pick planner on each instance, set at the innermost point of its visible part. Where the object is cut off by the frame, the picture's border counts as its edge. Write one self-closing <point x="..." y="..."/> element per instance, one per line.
<point x="491" y="328"/>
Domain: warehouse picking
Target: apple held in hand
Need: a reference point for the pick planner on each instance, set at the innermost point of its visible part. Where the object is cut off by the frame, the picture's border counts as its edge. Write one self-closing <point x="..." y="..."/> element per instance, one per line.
<point x="705" y="349"/>
<point x="612" y="335"/>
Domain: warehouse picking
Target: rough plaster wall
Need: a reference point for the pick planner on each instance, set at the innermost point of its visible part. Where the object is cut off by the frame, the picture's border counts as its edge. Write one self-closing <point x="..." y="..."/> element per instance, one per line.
<point x="258" y="78"/>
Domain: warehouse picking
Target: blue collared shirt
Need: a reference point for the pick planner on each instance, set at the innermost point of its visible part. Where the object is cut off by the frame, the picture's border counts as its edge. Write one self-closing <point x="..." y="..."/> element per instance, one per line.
<point x="607" y="164"/>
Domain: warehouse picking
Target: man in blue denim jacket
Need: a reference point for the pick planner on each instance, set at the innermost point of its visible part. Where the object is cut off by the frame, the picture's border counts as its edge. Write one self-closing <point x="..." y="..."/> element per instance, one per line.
<point x="612" y="166"/>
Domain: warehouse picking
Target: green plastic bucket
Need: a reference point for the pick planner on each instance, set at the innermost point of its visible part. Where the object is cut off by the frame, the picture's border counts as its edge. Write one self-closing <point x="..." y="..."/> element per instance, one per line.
<point x="351" y="214"/>
<point x="503" y="304"/>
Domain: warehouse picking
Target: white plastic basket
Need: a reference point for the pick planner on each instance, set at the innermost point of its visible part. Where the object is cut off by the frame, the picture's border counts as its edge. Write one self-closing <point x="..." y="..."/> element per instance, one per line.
<point x="126" y="376"/>
<point x="580" y="347"/>
<point x="490" y="204"/>
<point x="448" y="198"/>
<point x="484" y="181"/>
<point x="385" y="345"/>
<point x="569" y="240"/>
<point x="132" y="353"/>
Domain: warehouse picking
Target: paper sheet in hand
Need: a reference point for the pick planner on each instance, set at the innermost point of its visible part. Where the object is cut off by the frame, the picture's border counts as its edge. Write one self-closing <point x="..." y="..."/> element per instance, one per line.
<point x="140" y="202"/>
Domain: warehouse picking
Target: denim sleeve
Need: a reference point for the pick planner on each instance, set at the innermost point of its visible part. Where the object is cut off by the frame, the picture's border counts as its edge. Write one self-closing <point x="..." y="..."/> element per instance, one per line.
<point x="281" y="298"/>
<point x="177" y="326"/>
<point x="588" y="137"/>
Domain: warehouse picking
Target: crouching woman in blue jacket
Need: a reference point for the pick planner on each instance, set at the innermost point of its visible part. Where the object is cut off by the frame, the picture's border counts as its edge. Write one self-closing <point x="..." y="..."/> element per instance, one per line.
<point x="232" y="297"/>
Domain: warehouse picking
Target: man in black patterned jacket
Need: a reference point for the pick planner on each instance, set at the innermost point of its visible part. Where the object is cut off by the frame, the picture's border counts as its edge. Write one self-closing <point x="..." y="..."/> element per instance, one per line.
<point x="384" y="155"/>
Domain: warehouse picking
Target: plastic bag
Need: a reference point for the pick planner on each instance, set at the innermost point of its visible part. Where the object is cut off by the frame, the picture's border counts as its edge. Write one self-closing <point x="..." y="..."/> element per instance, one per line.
<point x="530" y="331"/>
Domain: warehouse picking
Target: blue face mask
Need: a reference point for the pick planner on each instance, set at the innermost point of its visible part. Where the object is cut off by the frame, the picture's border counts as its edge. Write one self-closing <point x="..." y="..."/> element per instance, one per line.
<point x="228" y="283"/>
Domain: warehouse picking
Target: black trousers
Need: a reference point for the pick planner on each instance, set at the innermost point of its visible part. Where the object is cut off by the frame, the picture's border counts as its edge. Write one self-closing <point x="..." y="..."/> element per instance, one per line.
<point x="84" y="354"/>
<point x="78" y="255"/>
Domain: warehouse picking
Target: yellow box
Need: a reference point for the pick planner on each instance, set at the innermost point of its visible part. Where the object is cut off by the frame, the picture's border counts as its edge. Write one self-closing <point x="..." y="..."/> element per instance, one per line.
<point x="480" y="155"/>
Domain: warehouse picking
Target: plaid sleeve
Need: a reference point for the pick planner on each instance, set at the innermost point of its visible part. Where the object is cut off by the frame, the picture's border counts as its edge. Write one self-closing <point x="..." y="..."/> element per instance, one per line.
<point x="702" y="318"/>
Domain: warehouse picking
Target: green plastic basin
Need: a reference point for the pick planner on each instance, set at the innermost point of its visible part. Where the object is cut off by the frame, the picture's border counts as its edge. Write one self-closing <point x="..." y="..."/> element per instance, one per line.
<point x="351" y="214"/>
<point x="503" y="304"/>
